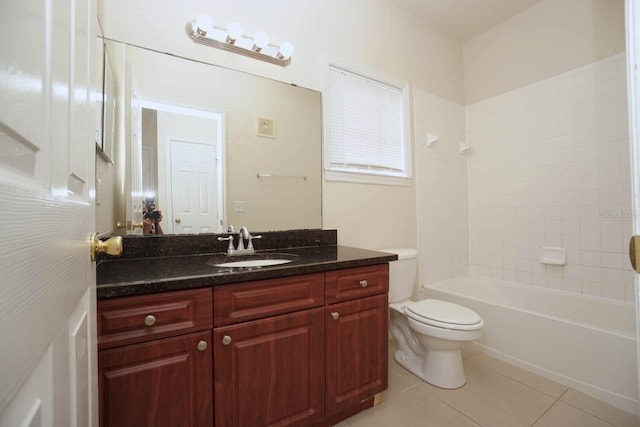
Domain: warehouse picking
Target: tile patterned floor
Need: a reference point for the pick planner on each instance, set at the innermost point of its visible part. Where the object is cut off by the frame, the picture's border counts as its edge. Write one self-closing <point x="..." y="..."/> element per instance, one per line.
<point x="497" y="394"/>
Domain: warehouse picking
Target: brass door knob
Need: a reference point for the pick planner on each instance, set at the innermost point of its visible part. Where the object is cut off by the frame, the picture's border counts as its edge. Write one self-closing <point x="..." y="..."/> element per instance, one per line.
<point x="178" y="220"/>
<point x="112" y="246"/>
<point x="634" y="253"/>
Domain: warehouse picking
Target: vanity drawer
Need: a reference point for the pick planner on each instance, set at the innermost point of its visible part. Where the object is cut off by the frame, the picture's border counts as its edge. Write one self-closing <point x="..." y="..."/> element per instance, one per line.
<point x="134" y="319"/>
<point x="342" y="285"/>
<point x="254" y="300"/>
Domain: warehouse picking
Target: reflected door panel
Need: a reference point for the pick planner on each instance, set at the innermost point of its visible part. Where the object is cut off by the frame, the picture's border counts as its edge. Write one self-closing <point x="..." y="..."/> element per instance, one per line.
<point x="193" y="186"/>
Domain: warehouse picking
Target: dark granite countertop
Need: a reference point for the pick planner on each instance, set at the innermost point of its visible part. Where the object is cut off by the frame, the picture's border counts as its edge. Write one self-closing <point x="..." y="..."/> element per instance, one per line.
<point x="137" y="276"/>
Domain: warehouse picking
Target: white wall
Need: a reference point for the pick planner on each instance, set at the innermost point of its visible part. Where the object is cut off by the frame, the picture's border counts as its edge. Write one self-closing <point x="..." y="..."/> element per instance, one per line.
<point x="373" y="34"/>
<point x="547" y="39"/>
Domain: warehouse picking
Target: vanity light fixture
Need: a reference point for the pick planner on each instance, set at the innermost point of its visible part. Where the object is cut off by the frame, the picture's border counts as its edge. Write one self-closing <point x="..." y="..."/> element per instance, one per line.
<point x="202" y="30"/>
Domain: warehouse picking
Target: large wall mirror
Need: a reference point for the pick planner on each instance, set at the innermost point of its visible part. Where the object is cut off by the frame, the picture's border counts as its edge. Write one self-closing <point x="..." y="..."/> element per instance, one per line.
<point x="215" y="147"/>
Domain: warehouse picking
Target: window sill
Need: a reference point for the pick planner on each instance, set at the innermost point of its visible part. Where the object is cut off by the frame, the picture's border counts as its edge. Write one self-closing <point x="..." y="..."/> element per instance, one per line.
<point x="367" y="178"/>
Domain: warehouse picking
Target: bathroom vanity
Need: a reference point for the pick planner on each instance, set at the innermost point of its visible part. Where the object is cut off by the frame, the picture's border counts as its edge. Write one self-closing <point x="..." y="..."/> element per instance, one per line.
<point x="186" y="343"/>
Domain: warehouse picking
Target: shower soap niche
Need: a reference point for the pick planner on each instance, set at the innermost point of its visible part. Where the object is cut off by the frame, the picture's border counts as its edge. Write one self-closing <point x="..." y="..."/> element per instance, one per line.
<point x="553" y="256"/>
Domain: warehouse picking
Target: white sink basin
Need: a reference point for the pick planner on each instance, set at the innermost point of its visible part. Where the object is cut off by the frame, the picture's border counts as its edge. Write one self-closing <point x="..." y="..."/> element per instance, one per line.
<point x="254" y="263"/>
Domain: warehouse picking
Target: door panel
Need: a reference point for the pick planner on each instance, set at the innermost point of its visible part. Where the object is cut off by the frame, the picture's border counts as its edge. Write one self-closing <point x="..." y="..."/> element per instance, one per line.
<point x="24" y="91"/>
<point x="135" y="382"/>
<point x="270" y="372"/>
<point x="632" y="13"/>
<point x="46" y="144"/>
<point x="356" y="351"/>
<point x="193" y="187"/>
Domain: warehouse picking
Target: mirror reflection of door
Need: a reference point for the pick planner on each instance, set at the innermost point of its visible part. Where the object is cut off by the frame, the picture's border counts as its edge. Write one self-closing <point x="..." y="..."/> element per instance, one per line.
<point x="193" y="187"/>
<point x="182" y="164"/>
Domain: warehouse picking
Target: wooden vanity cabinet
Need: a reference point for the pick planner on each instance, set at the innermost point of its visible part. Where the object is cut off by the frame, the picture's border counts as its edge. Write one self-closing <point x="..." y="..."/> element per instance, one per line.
<point x="269" y="371"/>
<point x="155" y="360"/>
<point x="356" y="338"/>
<point x="307" y="350"/>
<point x="356" y="352"/>
<point x="315" y="365"/>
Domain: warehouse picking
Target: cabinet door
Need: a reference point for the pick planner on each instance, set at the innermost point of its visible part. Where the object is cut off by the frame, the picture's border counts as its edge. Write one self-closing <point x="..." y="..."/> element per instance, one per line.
<point x="356" y="353"/>
<point x="270" y="372"/>
<point x="158" y="383"/>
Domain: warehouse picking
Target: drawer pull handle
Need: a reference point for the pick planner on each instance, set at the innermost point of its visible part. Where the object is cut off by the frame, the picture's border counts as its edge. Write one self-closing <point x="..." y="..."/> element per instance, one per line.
<point x="226" y="340"/>
<point x="364" y="283"/>
<point x="150" y="320"/>
<point x="202" y="345"/>
<point x="335" y="315"/>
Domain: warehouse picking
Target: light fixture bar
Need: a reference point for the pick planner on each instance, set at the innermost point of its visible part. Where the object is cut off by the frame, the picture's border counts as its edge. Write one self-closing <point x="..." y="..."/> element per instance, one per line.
<point x="218" y="38"/>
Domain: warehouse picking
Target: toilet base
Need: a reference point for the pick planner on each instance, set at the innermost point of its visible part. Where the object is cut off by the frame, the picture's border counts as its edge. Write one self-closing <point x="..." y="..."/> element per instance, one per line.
<point x="442" y="369"/>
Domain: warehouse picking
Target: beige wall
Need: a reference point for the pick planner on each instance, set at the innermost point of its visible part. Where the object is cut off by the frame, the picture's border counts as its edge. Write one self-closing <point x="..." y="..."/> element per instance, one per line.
<point x="110" y="193"/>
<point x="547" y="39"/>
<point x="371" y="34"/>
<point x="441" y="189"/>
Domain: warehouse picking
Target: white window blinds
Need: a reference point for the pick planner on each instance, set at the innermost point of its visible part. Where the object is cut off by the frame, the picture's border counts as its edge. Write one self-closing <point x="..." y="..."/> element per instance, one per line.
<point x="366" y="132"/>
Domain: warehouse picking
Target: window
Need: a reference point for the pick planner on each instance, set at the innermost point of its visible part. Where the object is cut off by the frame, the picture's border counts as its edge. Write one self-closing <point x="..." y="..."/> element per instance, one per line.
<point x="367" y="132"/>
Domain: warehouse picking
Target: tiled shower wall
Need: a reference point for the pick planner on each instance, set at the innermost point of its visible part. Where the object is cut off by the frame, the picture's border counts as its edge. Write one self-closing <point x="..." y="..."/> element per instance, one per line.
<point x="549" y="166"/>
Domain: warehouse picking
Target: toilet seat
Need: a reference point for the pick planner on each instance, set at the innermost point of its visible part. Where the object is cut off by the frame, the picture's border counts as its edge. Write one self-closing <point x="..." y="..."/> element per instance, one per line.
<point x="443" y="314"/>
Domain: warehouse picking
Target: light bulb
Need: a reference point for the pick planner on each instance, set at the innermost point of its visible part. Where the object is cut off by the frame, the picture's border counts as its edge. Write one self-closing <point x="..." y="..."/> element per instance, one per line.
<point x="234" y="31"/>
<point x="205" y="23"/>
<point x="286" y="50"/>
<point x="260" y="41"/>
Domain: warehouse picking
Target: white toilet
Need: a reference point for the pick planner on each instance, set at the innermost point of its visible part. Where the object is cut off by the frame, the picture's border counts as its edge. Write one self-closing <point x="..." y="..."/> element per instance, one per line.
<point x="429" y="332"/>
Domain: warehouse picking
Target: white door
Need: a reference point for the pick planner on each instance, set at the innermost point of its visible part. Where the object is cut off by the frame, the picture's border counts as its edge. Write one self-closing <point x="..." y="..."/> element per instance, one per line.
<point x="193" y="187"/>
<point x="633" y="84"/>
<point x="133" y="132"/>
<point x="190" y="152"/>
<point x="47" y="153"/>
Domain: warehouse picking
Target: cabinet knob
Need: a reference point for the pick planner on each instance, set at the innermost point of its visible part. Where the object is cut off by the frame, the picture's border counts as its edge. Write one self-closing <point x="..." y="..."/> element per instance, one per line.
<point x="150" y="320"/>
<point x="335" y="315"/>
<point x="178" y="220"/>
<point x="226" y="340"/>
<point x="202" y="345"/>
<point x="364" y="283"/>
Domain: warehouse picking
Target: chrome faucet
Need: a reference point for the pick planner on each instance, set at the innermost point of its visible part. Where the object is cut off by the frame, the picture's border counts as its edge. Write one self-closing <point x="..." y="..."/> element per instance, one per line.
<point x="243" y="235"/>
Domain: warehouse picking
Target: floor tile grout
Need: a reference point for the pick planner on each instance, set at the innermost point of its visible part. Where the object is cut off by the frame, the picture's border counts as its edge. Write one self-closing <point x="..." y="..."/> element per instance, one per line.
<point x="566" y="388"/>
<point x="588" y="413"/>
<point x="550" y="407"/>
<point x="456" y="409"/>
<point x="535" y="385"/>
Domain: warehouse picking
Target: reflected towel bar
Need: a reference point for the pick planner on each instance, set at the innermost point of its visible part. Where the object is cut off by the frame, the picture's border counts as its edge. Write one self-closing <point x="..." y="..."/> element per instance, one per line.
<point x="268" y="175"/>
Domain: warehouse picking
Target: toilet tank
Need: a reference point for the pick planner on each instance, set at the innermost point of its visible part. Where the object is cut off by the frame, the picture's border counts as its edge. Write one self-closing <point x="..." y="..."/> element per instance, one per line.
<point x="402" y="273"/>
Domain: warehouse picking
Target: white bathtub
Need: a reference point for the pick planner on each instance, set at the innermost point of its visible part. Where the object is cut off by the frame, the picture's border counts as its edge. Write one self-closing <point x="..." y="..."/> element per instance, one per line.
<point x="585" y="343"/>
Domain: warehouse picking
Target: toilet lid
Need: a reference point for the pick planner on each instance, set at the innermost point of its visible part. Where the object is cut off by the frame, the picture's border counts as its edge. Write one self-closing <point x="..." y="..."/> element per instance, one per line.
<point x="431" y="310"/>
